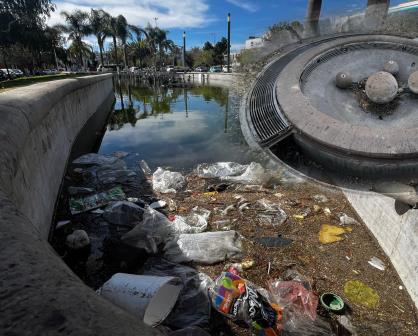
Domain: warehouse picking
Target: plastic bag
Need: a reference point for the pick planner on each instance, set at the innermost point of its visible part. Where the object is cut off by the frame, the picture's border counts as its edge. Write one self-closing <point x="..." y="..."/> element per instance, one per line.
<point x="155" y="228"/>
<point x="195" y="222"/>
<point x="165" y="181"/>
<point x="299" y="304"/>
<point x="296" y="323"/>
<point x="273" y="214"/>
<point x="153" y="231"/>
<point x="294" y="294"/>
<point x="108" y="176"/>
<point x="242" y="302"/>
<point x="193" y="305"/>
<point x="82" y="204"/>
<point x="205" y="248"/>
<point x="254" y="174"/>
<point x="220" y="169"/>
<point x="123" y="213"/>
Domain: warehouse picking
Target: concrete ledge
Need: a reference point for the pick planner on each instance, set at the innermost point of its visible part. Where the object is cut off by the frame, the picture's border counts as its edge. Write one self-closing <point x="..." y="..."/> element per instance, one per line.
<point x="396" y="234"/>
<point x="39" y="294"/>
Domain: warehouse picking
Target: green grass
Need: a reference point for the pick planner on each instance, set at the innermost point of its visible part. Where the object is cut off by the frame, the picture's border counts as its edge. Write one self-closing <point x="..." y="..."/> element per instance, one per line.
<point x="24" y="81"/>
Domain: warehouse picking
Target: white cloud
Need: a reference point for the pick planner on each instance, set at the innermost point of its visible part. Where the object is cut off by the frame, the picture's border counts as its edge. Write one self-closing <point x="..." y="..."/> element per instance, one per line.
<point x="170" y="13"/>
<point x="244" y="4"/>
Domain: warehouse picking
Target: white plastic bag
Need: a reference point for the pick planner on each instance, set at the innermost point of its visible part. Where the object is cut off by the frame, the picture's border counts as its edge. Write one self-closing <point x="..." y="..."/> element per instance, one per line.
<point x="156" y="229"/>
<point x="165" y="181"/>
<point x="273" y="214"/>
<point x="253" y="174"/>
<point x="205" y="248"/>
<point x="195" y="222"/>
<point x="220" y="169"/>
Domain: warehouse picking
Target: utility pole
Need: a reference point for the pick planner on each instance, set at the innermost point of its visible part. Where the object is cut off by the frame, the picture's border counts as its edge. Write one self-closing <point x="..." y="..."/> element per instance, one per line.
<point x="229" y="42"/>
<point x="184" y="48"/>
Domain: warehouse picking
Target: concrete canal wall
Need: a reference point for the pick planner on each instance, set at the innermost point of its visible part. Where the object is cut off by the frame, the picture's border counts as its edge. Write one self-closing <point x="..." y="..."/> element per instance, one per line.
<point x="39" y="294"/>
<point x="214" y="78"/>
<point x="397" y="234"/>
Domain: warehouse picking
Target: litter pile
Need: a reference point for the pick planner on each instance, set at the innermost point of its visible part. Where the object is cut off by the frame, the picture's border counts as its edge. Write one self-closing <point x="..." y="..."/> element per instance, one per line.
<point x="226" y="249"/>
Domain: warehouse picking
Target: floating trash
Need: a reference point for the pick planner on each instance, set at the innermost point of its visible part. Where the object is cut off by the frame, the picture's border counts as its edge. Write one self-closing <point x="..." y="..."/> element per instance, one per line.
<point x="358" y="292"/>
<point x="331" y="233"/>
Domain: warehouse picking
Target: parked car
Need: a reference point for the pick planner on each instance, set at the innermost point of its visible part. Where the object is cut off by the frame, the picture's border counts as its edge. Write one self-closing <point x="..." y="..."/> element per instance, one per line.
<point x="170" y="68"/>
<point x="134" y="69"/>
<point x="215" y="68"/>
<point x="108" y="68"/>
<point x="201" y="68"/>
<point x="18" y="72"/>
<point x="50" y="72"/>
<point x="8" y="73"/>
<point x="225" y="68"/>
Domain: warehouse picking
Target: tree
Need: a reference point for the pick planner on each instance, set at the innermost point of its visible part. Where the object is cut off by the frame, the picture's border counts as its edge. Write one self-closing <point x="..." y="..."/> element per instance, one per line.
<point x="158" y="42"/>
<point x="219" y="50"/>
<point x="99" y="23"/>
<point x="139" y="49"/>
<point x="295" y="29"/>
<point x="18" y="17"/>
<point x="207" y="46"/>
<point x="55" y="40"/>
<point x="78" y="48"/>
<point x="77" y="27"/>
<point x="201" y="56"/>
<point x="118" y="28"/>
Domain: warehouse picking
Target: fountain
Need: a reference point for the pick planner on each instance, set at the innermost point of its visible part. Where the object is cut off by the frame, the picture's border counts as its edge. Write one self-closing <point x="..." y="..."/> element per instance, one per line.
<point x="349" y="102"/>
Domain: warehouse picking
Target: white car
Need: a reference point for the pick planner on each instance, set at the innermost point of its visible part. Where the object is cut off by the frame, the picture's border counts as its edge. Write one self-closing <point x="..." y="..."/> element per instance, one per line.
<point x="10" y="72"/>
<point x="18" y="72"/>
<point x="133" y="69"/>
<point x="170" y="68"/>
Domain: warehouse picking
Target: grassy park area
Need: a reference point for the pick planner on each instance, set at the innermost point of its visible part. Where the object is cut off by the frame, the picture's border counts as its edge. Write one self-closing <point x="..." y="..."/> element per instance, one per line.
<point x="24" y="81"/>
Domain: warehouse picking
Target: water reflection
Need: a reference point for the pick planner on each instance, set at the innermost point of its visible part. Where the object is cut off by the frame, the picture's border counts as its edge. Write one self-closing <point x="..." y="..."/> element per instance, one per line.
<point x="176" y="127"/>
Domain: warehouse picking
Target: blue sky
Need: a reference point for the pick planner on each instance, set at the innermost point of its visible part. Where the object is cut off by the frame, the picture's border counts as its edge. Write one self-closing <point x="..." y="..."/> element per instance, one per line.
<point x="205" y="20"/>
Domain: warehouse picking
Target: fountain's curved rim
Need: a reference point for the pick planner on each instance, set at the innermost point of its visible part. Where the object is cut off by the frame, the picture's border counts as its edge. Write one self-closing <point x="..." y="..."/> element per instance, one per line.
<point x="335" y="134"/>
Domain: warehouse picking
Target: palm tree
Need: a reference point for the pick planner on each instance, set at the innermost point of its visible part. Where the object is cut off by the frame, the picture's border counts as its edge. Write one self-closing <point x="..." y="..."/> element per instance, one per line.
<point x="77" y="27"/>
<point x="53" y="35"/>
<point x="78" y="48"/>
<point x="152" y="39"/>
<point x="99" y="24"/>
<point x="118" y="28"/>
<point x="158" y="41"/>
<point x="139" y="49"/>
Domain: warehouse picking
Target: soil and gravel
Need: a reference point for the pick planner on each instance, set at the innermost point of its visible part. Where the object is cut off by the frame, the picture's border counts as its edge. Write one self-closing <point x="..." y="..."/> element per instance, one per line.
<point x="328" y="266"/>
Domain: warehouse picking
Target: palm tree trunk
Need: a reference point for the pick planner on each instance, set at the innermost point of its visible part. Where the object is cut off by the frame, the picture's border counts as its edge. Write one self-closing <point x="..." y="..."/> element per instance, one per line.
<point x="115" y="51"/>
<point x="80" y="52"/>
<point x="124" y="56"/>
<point x="100" y="51"/>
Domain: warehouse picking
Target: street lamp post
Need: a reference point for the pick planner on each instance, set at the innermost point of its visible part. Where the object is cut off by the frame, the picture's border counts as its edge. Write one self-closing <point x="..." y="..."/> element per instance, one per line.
<point x="184" y="48"/>
<point x="229" y="42"/>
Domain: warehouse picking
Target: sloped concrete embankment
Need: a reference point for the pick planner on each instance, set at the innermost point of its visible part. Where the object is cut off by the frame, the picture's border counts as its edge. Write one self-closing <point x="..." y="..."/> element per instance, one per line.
<point x="39" y="294"/>
<point x="396" y="234"/>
